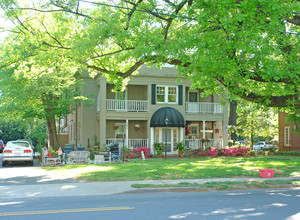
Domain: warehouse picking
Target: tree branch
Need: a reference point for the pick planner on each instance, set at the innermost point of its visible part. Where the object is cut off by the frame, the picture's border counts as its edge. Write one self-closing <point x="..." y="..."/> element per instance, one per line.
<point x="272" y="101"/>
<point x="54" y="38"/>
<point x="112" y="53"/>
<point x="178" y="8"/>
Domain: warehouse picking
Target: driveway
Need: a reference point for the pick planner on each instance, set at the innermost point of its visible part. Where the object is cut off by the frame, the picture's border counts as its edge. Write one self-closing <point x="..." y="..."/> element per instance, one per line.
<point x="21" y="174"/>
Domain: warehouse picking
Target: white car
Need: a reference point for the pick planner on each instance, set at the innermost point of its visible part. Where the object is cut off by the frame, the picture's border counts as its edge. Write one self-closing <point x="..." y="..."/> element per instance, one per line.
<point x="17" y="151"/>
<point x="262" y="145"/>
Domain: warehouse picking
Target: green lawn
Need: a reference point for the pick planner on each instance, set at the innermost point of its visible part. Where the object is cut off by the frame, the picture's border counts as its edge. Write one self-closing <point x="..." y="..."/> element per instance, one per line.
<point x="187" y="168"/>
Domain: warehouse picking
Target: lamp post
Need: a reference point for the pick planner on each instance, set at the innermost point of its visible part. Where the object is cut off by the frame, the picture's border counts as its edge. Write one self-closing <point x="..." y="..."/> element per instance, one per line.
<point x="166" y="123"/>
<point x="123" y="148"/>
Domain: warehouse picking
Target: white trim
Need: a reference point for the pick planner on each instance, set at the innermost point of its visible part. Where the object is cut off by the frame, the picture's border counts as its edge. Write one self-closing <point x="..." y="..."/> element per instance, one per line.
<point x="98" y="101"/>
<point x="203" y="128"/>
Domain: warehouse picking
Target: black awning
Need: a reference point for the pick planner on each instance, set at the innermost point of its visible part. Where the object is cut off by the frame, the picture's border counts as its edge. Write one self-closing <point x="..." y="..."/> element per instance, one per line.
<point x="175" y="118"/>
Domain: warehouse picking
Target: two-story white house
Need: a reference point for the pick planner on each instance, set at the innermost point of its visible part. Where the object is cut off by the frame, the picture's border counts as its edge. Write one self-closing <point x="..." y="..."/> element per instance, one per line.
<point x="153" y="108"/>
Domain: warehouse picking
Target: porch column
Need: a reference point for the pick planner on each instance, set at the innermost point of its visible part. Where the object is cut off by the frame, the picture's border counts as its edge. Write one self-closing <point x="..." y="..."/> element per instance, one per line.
<point x="102" y="112"/>
<point x="203" y="128"/>
<point x="126" y="140"/>
<point x="151" y="140"/>
<point x="181" y="133"/>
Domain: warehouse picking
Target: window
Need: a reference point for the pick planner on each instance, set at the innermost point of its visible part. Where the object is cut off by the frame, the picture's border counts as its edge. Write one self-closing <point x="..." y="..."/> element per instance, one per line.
<point x="166" y="94"/>
<point x="193" y="96"/>
<point x="120" y="131"/>
<point x="194" y="130"/>
<point x="287" y="136"/>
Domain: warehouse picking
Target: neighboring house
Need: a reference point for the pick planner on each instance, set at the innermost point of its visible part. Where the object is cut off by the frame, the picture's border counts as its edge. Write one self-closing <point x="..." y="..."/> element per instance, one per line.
<point x="136" y="117"/>
<point x="288" y="140"/>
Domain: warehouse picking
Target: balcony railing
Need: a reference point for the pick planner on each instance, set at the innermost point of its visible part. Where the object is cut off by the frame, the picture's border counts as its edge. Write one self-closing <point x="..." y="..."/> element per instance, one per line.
<point x="132" y="142"/>
<point x="203" y="107"/>
<point x="200" y="144"/>
<point x="127" y="105"/>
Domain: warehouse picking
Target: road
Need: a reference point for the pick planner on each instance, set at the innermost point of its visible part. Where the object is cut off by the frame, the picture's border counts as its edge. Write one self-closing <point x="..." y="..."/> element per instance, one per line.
<point x="243" y="204"/>
<point x="249" y="204"/>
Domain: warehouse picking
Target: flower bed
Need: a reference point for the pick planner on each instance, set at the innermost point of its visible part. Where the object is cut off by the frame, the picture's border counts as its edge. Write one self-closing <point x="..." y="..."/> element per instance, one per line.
<point x="229" y="151"/>
<point x="137" y="153"/>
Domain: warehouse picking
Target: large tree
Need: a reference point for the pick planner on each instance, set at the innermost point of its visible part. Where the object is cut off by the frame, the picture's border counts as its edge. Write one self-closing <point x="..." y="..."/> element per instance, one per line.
<point x="35" y="79"/>
<point x="250" y="47"/>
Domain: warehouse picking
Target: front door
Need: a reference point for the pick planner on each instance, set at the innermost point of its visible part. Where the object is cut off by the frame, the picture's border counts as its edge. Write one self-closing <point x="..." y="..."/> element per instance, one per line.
<point x="169" y="136"/>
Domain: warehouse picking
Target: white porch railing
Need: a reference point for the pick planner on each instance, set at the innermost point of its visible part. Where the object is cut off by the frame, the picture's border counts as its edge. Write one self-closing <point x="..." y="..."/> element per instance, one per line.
<point x="198" y="143"/>
<point x="132" y="142"/>
<point x="127" y="105"/>
<point x="203" y="107"/>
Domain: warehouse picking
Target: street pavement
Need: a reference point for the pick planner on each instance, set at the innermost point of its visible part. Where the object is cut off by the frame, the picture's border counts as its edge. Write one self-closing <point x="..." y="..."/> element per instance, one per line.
<point x="31" y="182"/>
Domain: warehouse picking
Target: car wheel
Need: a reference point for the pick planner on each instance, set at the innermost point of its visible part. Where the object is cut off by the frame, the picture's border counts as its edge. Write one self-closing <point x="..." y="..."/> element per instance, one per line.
<point x="4" y="163"/>
<point x="31" y="163"/>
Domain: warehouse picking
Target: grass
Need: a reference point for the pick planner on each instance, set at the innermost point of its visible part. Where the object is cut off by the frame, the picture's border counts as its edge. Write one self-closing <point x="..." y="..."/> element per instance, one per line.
<point x="186" y="168"/>
<point x="226" y="185"/>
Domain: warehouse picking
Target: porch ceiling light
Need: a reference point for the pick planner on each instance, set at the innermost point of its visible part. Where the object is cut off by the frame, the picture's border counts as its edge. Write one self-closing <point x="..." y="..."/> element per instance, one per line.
<point x="136" y="127"/>
<point x="166" y="121"/>
<point x="116" y="126"/>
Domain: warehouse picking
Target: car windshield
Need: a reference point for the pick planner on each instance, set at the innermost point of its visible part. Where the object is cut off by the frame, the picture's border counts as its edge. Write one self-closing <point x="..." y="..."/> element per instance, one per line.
<point x="16" y="144"/>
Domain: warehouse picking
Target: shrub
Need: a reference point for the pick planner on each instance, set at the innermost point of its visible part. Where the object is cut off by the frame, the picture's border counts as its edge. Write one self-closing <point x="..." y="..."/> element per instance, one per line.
<point x="229" y="151"/>
<point x="138" y="151"/>
<point x="211" y="151"/>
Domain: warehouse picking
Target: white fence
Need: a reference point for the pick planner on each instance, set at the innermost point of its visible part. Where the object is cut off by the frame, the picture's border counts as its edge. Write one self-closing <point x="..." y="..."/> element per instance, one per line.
<point x="127" y="105"/>
<point x="132" y="142"/>
<point x="203" y="107"/>
<point x="190" y="143"/>
<point x="199" y="143"/>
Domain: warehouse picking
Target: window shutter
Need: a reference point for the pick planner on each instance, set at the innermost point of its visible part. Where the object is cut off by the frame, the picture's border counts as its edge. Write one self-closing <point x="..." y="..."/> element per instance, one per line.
<point x="153" y="94"/>
<point x="180" y="100"/>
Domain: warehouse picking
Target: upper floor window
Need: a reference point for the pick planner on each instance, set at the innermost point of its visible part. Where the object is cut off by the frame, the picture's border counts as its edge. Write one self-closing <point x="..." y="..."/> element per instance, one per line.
<point x="287" y="136"/>
<point x="166" y="94"/>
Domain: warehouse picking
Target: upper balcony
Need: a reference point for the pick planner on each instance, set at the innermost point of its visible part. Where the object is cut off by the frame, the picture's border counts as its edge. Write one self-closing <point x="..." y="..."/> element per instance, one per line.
<point x="203" y="107"/>
<point x="127" y="105"/>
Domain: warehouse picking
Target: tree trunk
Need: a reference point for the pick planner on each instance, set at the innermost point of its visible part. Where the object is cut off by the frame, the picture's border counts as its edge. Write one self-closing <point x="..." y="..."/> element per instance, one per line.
<point x="232" y="118"/>
<point x="51" y="125"/>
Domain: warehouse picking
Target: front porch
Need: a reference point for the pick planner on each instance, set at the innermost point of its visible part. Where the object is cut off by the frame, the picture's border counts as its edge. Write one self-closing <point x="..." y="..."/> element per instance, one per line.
<point x="203" y="143"/>
<point x="193" y="144"/>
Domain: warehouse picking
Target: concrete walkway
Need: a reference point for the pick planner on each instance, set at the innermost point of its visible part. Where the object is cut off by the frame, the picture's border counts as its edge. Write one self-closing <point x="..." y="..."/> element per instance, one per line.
<point x="35" y="182"/>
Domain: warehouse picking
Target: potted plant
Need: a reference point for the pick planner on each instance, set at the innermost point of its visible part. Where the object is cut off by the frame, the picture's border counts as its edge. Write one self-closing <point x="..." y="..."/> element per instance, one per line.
<point x="50" y="152"/>
<point x="159" y="148"/>
<point x="180" y="146"/>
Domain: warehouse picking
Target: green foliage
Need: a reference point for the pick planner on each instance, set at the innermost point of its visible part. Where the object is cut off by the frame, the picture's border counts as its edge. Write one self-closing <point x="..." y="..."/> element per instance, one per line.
<point x="13" y="130"/>
<point x="252" y="120"/>
<point x="159" y="148"/>
<point x="238" y="46"/>
<point x="38" y="133"/>
<point x="180" y="146"/>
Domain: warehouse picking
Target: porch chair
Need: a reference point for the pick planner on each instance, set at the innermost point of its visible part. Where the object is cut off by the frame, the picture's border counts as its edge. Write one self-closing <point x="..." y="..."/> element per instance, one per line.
<point x="78" y="157"/>
<point x="68" y="148"/>
<point x="99" y="159"/>
<point x="80" y="148"/>
<point x="114" y="151"/>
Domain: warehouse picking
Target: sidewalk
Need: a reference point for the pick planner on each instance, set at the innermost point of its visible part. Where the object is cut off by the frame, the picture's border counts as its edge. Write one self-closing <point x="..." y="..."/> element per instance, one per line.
<point x="94" y="188"/>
